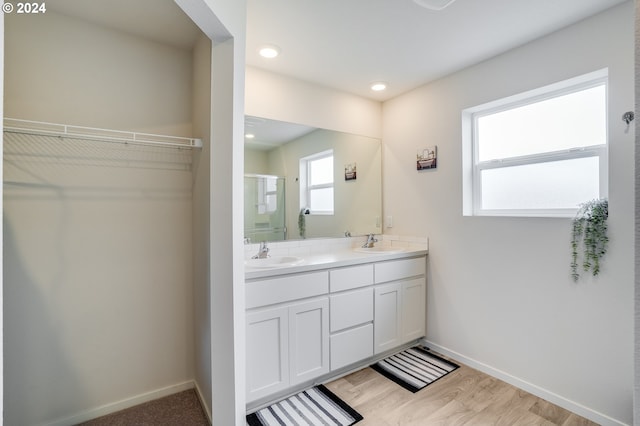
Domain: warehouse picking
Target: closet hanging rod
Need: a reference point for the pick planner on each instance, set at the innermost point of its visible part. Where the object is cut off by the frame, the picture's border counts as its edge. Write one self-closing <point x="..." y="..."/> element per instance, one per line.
<point x="15" y="125"/>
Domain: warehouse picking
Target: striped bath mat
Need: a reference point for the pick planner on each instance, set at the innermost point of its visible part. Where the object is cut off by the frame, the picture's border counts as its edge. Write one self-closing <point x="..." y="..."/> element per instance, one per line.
<point x="315" y="406"/>
<point x="414" y="368"/>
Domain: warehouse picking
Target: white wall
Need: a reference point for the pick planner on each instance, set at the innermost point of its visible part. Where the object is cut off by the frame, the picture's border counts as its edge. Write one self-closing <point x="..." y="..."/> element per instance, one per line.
<point x="500" y="295"/>
<point x="228" y="374"/>
<point x="636" y="395"/>
<point x="357" y="202"/>
<point x="277" y="97"/>
<point x="256" y="162"/>
<point x="224" y="22"/>
<point x="1" y="228"/>
<point x="201" y="200"/>
<point x="149" y="84"/>
<point x="98" y="251"/>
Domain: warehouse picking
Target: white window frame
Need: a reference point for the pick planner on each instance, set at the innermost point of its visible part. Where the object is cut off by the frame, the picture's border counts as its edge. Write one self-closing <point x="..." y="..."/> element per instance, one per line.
<point x="305" y="178"/>
<point x="472" y="167"/>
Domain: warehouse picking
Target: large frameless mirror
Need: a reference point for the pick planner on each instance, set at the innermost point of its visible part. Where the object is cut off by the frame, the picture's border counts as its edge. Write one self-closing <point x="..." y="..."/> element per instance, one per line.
<point x="305" y="182"/>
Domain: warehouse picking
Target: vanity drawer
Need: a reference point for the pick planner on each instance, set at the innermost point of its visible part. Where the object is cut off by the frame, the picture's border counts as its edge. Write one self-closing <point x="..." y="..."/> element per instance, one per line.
<point x="399" y="269"/>
<point x="350" y="309"/>
<point x="283" y="289"/>
<point x="351" y="346"/>
<point x="351" y="277"/>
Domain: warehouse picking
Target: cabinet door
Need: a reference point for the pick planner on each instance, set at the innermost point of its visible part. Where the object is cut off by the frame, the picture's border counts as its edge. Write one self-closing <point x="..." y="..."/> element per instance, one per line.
<point x="351" y="346"/>
<point x="413" y="309"/>
<point x="387" y="317"/>
<point x="267" y="352"/>
<point x="308" y="340"/>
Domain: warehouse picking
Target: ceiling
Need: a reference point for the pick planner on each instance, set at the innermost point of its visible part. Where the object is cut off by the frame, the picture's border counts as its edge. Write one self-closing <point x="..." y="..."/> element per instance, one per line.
<point x="347" y="44"/>
<point x="158" y="20"/>
<point x="268" y="134"/>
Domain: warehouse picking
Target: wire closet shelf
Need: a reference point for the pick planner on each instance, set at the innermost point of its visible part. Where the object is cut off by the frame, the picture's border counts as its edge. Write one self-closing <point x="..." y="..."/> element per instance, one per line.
<point x="14" y="125"/>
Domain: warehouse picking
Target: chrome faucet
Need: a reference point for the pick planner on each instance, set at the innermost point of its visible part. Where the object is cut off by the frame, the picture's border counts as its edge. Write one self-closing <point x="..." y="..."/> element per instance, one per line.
<point x="370" y="241"/>
<point x="263" y="251"/>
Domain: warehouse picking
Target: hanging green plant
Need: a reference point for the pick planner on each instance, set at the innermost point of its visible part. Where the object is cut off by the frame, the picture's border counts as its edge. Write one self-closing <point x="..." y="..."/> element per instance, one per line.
<point x="589" y="227"/>
<point x="302" y="223"/>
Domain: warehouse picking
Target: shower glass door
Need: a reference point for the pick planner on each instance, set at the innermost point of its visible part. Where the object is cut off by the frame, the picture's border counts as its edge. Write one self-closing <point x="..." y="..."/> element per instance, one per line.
<point x="264" y="209"/>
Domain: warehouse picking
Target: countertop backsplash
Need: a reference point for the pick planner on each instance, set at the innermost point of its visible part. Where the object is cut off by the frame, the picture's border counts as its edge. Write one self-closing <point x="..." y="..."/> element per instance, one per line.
<point x="326" y="245"/>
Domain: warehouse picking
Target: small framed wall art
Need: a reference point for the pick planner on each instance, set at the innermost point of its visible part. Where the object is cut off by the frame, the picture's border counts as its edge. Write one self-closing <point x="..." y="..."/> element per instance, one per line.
<point x="427" y="158"/>
<point x="350" y="171"/>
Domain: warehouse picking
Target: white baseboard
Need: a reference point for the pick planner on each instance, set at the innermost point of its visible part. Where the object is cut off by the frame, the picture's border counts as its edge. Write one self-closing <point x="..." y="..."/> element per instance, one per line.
<point x="203" y="403"/>
<point x="122" y="404"/>
<point x="554" y="398"/>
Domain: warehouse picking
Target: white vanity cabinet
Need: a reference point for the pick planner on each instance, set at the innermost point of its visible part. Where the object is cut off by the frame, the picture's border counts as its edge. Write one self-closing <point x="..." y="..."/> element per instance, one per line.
<point x="267" y="332"/>
<point x="400" y="303"/>
<point x="287" y="329"/>
<point x="413" y="308"/>
<point x="308" y="340"/>
<point x="301" y="327"/>
<point x="387" y="316"/>
<point x="351" y="315"/>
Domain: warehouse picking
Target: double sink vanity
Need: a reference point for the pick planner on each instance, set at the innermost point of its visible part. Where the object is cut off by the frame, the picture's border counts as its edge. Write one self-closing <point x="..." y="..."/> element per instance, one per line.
<point x="319" y="302"/>
<point x="315" y="313"/>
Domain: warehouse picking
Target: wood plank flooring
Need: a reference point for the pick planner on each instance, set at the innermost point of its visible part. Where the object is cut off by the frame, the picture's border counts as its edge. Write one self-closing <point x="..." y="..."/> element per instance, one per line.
<point x="464" y="397"/>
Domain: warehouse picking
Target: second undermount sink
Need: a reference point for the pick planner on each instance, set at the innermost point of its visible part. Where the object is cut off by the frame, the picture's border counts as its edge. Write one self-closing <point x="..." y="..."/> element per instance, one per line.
<point x="379" y="250"/>
<point x="273" y="262"/>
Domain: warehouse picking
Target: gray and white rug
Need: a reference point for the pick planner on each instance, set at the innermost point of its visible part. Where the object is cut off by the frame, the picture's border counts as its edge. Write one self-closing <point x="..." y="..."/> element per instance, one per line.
<point x="414" y="368"/>
<point x="314" y="406"/>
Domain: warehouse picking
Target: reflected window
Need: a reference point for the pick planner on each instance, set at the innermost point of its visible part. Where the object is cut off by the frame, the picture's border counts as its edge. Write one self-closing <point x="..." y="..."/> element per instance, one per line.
<point x="316" y="183"/>
<point x="267" y="195"/>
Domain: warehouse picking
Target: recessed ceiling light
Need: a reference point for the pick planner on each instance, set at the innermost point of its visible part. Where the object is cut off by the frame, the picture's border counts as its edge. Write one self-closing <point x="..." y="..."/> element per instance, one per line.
<point x="434" y="4"/>
<point x="378" y="86"/>
<point x="249" y="136"/>
<point x="269" y="51"/>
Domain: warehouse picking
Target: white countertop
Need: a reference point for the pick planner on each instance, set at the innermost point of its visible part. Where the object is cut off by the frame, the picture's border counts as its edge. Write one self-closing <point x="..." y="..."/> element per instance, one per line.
<point x="338" y="258"/>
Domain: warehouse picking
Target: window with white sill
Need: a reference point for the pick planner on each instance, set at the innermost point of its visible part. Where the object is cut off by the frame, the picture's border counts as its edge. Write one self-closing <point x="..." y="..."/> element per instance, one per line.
<point x="540" y="153"/>
<point x="316" y="183"/>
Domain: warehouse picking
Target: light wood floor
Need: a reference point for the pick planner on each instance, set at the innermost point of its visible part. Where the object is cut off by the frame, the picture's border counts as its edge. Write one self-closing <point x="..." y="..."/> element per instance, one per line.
<point x="464" y="397"/>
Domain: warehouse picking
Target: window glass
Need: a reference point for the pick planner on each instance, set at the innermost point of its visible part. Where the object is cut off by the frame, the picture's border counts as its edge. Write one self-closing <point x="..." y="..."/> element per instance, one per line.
<point x="321" y="171"/>
<point x="569" y="121"/>
<point x="552" y="185"/>
<point x="321" y="200"/>
<point x="316" y="183"/>
<point x="540" y="153"/>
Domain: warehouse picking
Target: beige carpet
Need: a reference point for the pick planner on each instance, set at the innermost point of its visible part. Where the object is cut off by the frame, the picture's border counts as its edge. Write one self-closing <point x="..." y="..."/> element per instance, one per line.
<point x="180" y="409"/>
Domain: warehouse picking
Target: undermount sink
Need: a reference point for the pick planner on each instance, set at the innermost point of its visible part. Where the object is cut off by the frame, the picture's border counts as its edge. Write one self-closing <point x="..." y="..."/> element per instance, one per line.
<point x="273" y="262"/>
<point x="379" y="250"/>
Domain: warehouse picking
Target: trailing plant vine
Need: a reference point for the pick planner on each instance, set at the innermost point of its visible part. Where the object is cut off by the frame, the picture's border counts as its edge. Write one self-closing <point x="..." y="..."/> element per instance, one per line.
<point x="589" y="227"/>
<point x="302" y="223"/>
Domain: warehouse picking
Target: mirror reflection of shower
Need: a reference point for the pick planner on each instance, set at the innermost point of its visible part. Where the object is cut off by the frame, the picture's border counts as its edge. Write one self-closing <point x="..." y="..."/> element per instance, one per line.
<point x="277" y="149"/>
<point x="264" y="213"/>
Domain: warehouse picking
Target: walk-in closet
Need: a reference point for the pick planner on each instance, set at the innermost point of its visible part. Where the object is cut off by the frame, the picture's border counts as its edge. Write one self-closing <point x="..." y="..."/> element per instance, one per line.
<point x="105" y="138"/>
